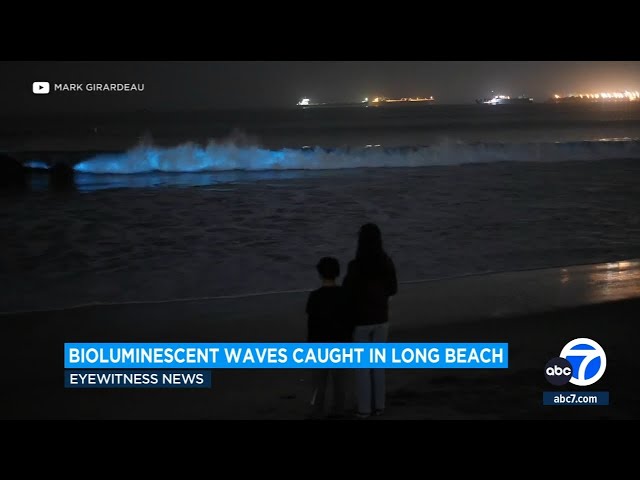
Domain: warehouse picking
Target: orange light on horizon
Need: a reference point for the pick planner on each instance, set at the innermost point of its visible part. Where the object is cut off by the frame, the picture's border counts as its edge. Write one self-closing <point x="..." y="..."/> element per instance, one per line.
<point x="627" y="95"/>
<point x="403" y="99"/>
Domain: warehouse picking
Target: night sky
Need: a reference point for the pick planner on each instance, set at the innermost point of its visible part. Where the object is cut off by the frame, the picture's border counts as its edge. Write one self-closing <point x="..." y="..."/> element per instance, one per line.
<point x="204" y="85"/>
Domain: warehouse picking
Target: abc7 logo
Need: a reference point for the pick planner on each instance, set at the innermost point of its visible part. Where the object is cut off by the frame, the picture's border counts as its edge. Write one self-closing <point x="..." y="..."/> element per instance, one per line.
<point x="582" y="362"/>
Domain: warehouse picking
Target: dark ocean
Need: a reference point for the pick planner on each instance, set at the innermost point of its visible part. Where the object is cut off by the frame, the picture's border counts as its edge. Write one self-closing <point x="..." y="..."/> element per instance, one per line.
<point x="172" y="205"/>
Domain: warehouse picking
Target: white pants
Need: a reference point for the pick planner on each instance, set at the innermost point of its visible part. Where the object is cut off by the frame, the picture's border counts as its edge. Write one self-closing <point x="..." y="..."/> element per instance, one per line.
<point x="370" y="384"/>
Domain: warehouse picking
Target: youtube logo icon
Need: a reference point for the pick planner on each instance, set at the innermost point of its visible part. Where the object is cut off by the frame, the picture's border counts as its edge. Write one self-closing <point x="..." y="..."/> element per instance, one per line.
<point x="40" y="87"/>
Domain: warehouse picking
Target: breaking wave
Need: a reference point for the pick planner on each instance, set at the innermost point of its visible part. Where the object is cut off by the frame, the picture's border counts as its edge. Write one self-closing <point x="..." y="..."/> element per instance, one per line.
<point x="214" y="157"/>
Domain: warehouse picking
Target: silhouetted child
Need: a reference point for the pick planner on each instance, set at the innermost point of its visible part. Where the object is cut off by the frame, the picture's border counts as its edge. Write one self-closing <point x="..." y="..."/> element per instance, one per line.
<point x="328" y="322"/>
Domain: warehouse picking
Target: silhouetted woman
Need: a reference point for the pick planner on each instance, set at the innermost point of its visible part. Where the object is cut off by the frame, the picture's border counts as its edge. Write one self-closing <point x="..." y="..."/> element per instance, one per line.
<point x="370" y="281"/>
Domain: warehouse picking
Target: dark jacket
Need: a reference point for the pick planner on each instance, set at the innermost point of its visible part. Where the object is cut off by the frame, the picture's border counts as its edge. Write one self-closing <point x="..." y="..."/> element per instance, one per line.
<point x="328" y="318"/>
<point x="369" y="284"/>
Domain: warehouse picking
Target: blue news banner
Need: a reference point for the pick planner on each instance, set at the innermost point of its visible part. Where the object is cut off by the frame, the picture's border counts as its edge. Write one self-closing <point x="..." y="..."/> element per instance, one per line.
<point x="189" y="365"/>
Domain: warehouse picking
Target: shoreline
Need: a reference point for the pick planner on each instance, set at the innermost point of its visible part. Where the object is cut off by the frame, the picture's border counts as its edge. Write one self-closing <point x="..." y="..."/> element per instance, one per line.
<point x="581" y="284"/>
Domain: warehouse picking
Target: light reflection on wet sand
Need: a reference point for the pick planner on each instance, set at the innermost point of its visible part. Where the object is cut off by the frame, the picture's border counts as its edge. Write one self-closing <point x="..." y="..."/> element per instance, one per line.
<point x="515" y="293"/>
<point x="614" y="281"/>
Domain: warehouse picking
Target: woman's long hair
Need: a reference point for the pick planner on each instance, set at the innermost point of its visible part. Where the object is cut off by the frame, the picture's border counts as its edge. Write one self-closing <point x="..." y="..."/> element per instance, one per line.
<point x="370" y="254"/>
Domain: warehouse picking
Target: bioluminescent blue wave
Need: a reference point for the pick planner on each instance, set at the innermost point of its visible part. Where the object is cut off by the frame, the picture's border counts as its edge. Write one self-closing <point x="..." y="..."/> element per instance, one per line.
<point x="36" y="164"/>
<point x="225" y="157"/>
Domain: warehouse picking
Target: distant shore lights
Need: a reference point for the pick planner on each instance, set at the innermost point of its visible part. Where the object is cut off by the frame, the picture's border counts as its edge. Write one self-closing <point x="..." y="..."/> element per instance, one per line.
<point x="403" y="100"/>
<point x="627" y="95"/>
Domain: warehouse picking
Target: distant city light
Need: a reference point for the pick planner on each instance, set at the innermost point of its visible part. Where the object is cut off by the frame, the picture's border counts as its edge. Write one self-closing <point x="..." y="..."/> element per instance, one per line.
<point x="306" y="102"/>
<point x="626" y="96"/>
<point x="403" y="99"/>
